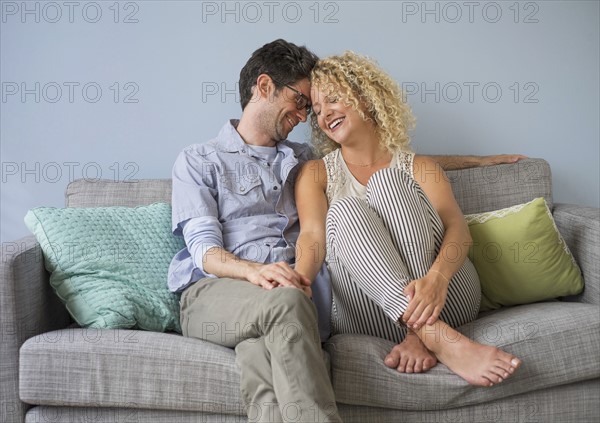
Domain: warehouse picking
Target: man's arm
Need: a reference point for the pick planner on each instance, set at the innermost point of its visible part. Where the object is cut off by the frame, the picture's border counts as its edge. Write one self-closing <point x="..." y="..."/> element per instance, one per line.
<point x="195" y="216"/>
<point x="465" y="162"/>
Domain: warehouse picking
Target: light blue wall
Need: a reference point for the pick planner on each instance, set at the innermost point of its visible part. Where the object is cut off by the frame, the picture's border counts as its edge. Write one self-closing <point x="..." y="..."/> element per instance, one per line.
<point x="167" y="79"/>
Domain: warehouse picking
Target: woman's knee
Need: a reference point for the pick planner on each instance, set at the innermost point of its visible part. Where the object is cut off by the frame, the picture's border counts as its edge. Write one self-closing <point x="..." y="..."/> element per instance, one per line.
<point x="342" y="206"/>
<point x="390" y="184"/>
<point x="346" y="211"/>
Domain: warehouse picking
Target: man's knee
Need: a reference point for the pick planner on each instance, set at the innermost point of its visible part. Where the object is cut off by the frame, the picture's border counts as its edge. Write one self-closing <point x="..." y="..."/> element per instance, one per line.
<point x="289" y="298"/>
<point x="290" y="304"/>
<point x="290" y="315"/>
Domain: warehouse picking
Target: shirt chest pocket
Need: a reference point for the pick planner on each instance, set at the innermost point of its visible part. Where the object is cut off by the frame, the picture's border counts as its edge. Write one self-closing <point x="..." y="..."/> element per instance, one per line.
<point x="242" y="197"/>
<point x="241" y="186"/>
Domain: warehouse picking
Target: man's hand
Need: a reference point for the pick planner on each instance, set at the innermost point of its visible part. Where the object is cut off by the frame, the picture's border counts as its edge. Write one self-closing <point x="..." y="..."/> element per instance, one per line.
<point x="224" y="264"/>
<point x="273" y="275"/>
<point x="426" y="297"/>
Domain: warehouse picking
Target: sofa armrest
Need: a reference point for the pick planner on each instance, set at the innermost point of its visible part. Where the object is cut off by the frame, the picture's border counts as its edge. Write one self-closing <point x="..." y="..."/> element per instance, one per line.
<point x="580" y="227"/>
<point x="28" y="307"/>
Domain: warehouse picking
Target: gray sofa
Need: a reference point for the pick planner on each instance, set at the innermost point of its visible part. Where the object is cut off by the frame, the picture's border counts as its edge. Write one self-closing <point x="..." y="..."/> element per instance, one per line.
<point x="53" y="371"/>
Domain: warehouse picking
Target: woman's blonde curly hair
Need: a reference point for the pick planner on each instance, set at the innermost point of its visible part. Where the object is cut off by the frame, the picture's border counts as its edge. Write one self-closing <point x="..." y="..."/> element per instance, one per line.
<point x="361" y="84"/>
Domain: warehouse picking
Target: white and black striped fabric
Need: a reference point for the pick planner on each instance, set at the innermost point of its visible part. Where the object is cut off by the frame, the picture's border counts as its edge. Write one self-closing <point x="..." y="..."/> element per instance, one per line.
<point x="379" y="245"/>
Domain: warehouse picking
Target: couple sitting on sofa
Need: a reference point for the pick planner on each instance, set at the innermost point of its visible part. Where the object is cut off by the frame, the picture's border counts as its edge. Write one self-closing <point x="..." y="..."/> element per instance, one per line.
<point x="256" y="214"/>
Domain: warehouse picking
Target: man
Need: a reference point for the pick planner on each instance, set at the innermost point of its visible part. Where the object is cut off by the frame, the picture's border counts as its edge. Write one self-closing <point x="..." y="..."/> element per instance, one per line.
<point x="233" y="202"/>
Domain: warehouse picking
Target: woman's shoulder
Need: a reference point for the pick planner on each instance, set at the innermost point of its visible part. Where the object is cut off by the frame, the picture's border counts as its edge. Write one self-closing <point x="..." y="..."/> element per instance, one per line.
<point x="426" y="169"/>
<point x="422" y="160"/>
<point x="314" y="170"/>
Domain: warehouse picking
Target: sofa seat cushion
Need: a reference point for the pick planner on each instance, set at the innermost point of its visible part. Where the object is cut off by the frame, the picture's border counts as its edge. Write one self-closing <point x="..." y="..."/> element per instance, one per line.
<point x="128" y="368"/>
<point x="556" y="342"/>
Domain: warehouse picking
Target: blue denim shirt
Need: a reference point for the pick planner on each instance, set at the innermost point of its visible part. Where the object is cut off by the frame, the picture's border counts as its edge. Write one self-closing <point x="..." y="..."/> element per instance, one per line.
<point x="236" y="202"/>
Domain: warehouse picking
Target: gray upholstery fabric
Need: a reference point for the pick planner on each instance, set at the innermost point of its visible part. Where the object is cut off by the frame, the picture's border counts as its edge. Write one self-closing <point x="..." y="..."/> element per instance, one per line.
<point x="82" y="193"/>
<point x="164" y="371"/>
<point x="483" y="189"/>
<point x="138" y="373"/>
<point x="476" y="189"/>
<point x="560" y="404"/>
<point x="580" y="227"/>
<point x="27" y="307"/>
<point x="45" y="414"/>
<point x="555" y="340"/>
<point x="138" y="368"/>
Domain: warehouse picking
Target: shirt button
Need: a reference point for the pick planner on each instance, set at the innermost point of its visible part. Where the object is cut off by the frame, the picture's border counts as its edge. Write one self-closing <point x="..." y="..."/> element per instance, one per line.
<point x="242" y="189"/>
<point x="275" y="187"/>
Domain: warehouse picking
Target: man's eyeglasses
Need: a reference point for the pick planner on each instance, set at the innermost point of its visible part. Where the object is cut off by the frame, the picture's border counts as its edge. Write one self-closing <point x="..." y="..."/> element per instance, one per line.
<point x="302" y="101"/>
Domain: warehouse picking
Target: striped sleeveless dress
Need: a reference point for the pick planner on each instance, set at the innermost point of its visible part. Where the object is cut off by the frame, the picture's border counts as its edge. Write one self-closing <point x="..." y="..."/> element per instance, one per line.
<point x="380" y="237"/>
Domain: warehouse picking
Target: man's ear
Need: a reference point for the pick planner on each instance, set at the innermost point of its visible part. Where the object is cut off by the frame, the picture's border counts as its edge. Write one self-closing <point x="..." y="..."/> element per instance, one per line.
<point x="264" y="86"/>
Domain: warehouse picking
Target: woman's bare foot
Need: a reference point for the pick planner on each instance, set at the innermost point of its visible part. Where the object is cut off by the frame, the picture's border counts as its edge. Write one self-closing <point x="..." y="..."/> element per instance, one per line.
<point x="478" y="364"/>
<point x="410" y="356"/>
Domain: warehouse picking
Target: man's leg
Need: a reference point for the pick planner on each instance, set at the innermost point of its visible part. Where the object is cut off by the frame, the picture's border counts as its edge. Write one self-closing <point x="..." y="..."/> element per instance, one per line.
<point x="227" y="312"/>
<point x="254" y="361"/>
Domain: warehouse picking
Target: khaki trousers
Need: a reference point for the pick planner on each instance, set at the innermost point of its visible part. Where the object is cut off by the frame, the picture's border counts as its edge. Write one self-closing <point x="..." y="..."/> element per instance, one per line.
<point x="276" y="340"/>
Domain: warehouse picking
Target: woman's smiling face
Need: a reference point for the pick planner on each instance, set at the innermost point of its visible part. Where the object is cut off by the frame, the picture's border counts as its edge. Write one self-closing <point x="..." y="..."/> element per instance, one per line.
<point x="337" y="119"/>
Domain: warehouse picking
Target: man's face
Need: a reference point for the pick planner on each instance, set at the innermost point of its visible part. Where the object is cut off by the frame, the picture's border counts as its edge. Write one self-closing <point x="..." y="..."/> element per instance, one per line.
<point x="281" y="114"/>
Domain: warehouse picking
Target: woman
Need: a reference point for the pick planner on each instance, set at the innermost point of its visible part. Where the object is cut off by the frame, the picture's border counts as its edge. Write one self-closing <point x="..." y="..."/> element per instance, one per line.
<point x="396" y="239"/>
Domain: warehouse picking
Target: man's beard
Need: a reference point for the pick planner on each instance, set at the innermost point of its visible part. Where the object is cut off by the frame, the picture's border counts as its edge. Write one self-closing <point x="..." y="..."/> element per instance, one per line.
<point x="273" y="126"/>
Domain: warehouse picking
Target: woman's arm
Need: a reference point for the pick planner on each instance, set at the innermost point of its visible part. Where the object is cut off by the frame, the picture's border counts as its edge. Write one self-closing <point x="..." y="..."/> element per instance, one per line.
<point x="428" y="294"/>
<point x="465" y="162"/>
<point x="312" y="205"/>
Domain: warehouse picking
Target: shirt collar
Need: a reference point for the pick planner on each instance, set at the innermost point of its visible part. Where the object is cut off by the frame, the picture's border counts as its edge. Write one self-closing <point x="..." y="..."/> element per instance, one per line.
<point x="230" y="141"/>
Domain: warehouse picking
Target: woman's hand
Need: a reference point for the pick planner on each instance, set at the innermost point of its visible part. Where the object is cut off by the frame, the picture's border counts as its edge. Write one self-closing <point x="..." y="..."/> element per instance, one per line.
<point x="426" y="297"/>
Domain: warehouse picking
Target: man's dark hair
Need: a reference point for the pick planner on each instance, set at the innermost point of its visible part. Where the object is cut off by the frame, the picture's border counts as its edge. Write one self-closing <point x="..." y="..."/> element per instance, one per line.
<point x="281" y="60"/>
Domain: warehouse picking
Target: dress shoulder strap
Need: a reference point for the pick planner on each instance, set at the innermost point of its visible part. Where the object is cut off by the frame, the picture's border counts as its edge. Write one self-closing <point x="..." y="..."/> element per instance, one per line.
<point x="336" y="177"/>
<point x="405" y="162"/>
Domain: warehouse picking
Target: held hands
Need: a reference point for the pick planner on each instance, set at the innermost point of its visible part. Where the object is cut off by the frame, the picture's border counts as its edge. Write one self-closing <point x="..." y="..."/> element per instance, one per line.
<point x="426" y="297"/>
<point x="273" y="275"/>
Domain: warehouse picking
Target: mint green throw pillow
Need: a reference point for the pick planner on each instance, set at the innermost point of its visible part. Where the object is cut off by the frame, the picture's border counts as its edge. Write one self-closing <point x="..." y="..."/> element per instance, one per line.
<point x="521" y="257"/>
<point x="109" y="264"/>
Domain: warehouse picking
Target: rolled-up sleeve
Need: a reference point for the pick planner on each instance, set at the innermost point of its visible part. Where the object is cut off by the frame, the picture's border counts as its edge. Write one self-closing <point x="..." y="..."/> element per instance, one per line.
<point x="200" y="235"/>
<point x="194" y="188"/>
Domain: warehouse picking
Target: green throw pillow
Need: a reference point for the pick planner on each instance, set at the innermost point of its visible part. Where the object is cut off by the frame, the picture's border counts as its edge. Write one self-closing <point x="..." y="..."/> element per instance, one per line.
<point x="109" y="264"/>
<point x="521" y="257"/>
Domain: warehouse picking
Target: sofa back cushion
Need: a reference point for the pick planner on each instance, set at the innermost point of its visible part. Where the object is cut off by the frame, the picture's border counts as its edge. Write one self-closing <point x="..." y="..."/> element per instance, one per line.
<point x="483" y="189"/>
<point x="477" y="190"/>
<point x="104" y="193"/>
